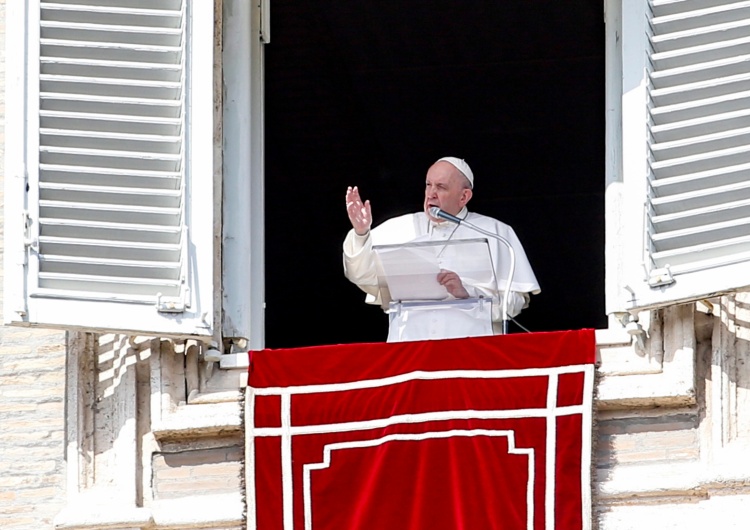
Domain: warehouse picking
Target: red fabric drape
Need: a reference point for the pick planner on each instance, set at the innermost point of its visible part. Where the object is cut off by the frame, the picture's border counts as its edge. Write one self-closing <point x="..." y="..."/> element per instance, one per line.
<point x="487" y="432"/>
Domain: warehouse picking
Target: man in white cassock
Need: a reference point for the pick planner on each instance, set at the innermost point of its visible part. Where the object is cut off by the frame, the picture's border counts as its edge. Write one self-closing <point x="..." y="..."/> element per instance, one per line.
<point x="470" y="308"/>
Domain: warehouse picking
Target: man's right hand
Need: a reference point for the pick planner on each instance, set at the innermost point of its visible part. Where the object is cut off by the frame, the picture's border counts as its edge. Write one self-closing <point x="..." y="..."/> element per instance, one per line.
<point x="359" y="212"/>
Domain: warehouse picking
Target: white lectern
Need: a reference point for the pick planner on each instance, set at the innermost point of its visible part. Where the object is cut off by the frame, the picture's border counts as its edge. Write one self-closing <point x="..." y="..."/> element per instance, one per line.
<point x="419" y="307"/>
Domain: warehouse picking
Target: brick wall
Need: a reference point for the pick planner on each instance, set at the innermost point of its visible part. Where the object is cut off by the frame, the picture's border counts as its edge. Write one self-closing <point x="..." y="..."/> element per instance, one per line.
<point x="32" y="390"/>
<point x="639" y="437"/>
<point x="197" y="471"/>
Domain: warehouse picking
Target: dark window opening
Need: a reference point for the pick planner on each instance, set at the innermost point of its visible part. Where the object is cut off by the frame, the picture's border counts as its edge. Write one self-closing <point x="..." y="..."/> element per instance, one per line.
<point x="371" y="93"/>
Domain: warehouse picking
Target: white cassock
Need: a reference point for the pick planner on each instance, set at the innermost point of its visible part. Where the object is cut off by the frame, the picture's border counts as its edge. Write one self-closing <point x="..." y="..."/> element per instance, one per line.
<point x="454" y="318"/>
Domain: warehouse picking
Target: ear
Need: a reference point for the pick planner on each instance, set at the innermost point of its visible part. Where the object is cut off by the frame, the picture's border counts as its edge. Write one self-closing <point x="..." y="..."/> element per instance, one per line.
<point x="465" y="196"/>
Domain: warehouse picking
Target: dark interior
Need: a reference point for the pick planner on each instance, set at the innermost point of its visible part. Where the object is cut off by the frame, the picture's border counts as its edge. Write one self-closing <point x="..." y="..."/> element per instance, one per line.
<point x="371" y="93"/>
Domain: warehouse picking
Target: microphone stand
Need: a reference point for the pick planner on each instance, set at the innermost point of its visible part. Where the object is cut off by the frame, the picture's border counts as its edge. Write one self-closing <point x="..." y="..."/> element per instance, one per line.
<point x="437" y="212"/>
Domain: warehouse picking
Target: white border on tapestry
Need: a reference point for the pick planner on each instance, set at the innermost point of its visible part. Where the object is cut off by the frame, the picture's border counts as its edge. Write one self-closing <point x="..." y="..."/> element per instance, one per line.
<point x="550" y="412"/>
<point x="329" y="448"/>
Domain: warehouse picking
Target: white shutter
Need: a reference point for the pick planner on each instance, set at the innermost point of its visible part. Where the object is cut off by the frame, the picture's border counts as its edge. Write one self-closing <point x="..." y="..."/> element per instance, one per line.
<point x="691" y="139"/>
<point x="118" y="166"/>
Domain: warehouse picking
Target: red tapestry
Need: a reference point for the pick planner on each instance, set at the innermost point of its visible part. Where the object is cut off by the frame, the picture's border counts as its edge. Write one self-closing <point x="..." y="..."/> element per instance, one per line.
<point x="487" y="432"/>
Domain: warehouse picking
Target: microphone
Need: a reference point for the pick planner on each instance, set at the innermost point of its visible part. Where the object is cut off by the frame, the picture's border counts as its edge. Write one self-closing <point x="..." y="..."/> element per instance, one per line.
<point x="437" y="213"/>
<point x="440" y="214"/>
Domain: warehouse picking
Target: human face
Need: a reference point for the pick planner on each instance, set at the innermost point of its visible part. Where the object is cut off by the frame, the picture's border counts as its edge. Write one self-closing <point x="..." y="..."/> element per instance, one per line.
<point x="446" y="188"/>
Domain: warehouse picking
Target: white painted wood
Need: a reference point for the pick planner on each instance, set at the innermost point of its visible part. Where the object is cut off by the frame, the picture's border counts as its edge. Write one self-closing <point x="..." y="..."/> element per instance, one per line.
<point x="202" y="233"/>
<point x="15" y="258"/>
<point x="686" y="88"/>
<point x="115" y="148"/>
<point x="626" y="193"/>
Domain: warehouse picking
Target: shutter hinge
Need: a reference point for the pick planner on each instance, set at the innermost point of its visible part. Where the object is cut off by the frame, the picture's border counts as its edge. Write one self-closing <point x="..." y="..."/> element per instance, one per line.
<point x="28" y="241"/>
<point x="22" y="259"/>
<point x="660" y="277"/>
<point x="173" y="304"/>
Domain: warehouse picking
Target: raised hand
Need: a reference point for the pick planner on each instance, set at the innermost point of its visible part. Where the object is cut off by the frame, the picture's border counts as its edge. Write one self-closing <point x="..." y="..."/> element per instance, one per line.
<point x="359" y="212"/>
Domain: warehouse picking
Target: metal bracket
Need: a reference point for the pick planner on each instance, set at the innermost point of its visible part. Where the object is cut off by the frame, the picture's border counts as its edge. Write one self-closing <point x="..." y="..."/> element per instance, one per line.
<point x="169" y="305"/>
<point x="28" y="241"/>
<point x="660" y="277"/>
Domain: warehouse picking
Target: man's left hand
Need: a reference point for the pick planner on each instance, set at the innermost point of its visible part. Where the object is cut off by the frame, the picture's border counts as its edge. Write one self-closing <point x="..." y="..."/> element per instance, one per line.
<point x="453" y="284"/>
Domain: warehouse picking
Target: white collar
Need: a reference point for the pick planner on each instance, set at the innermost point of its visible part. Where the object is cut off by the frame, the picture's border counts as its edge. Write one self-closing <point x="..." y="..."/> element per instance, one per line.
<point x="444" y="225"/>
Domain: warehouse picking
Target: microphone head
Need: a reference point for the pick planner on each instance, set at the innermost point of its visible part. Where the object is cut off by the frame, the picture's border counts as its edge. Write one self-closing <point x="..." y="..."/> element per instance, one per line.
<point x="437" y="213"/>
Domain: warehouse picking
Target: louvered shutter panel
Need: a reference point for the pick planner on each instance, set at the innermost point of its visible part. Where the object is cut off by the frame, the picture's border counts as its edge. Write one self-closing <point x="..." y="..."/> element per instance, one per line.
<point x="118" y="200"/>
<point x="696" y="236"/>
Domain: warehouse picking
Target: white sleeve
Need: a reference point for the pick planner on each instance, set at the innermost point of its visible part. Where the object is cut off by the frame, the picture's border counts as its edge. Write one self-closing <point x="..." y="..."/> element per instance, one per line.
<point x="359" y="263"/>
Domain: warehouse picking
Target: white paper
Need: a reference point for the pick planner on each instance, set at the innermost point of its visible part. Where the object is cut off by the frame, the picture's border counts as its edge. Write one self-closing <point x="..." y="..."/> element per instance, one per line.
<point x="412" y="274"/>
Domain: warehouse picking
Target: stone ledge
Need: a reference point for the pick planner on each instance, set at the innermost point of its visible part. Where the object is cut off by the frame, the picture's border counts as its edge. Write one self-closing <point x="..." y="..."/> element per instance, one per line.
<point x="91" y="511"/>
<point x="644" y="390"/>
<point x="235" y="361"/>
<point x="645" y="382"/>
<point x="670" y="482"/>
<point x="637" y="481"/>
<point x="96" y="512"/>
<point x="206" y="511"/>
<point x="616" y="355"/>
<point x="208" y="419"/>
<point x="721" y="512"/>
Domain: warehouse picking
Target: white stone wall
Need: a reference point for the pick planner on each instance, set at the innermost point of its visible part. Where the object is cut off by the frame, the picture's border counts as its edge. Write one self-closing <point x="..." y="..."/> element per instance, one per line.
<point x="680" y="460"/>
<point x="32" y="392"/>
<point x="154" y="439"/>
